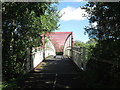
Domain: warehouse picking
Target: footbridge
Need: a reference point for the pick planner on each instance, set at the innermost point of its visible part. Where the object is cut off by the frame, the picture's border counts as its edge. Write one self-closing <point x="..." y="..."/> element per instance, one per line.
<point x="57" y="63"/>
<point x="58" y="43"/>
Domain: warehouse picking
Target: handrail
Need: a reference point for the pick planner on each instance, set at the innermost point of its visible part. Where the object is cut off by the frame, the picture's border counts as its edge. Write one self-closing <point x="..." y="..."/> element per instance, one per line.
<point x="77" y="51"/>
<point x="79" y="57"/>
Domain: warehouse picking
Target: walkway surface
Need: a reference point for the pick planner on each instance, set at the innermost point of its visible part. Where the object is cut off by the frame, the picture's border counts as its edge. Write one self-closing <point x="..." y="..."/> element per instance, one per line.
<point x="62" y="72"/>
<point x="58" y="72"/>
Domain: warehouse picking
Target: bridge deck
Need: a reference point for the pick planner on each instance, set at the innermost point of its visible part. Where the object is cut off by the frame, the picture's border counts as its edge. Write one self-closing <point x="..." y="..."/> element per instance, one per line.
<point x="58" y="65"/>
<point x="59" y="72"/>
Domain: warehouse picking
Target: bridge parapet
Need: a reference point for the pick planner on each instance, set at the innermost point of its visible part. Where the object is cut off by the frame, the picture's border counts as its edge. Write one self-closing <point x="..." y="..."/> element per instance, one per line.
<point x="79" y="57"/>
<point x="38" y="52"/>
<point x="68" y="46"/>
<point x="55" y="42"/>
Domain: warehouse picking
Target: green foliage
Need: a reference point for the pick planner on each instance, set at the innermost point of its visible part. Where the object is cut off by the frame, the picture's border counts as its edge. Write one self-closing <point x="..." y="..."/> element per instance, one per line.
<point x="106" y="32"/>
<point x="22" y="25"/>
<point x="106" y="15"/>
<point x="79" y="43"/>
<point x="89" y="45"/>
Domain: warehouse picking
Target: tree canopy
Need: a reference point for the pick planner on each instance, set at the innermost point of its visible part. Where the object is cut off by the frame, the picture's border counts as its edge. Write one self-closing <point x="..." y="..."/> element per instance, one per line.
<point x="107" y="34"/>
<point x="107" y="30"/>
<point x="22" y="25"/>
<point x="106" y="15"/>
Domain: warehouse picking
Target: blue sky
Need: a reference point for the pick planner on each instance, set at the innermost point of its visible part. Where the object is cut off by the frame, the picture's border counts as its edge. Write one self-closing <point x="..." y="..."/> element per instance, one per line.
<point x="72" y="20"/>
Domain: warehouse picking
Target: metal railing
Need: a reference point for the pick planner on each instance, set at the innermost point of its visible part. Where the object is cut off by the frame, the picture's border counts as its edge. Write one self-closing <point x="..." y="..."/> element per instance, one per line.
<point x="79" y="57"/>
<point x="37" y="55"/>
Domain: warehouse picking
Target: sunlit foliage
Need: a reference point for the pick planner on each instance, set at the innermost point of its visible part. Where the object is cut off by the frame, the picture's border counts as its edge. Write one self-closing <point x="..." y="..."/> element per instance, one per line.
<point x="23" y="23"/>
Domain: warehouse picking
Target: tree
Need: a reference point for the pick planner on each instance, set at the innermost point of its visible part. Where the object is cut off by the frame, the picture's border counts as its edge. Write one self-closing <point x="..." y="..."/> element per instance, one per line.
<point x="89" y="45"/>
<point x="79" y="43"/>
<point x="107" y="31"/>
<point x="23" y="24"/>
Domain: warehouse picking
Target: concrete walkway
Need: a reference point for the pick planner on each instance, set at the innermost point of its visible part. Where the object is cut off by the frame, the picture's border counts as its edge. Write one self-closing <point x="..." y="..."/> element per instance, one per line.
<point x="58" y="72"/>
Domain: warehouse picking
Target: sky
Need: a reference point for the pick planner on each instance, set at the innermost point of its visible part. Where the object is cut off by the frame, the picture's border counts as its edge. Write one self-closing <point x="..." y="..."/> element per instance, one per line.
<point x="72" y="20"/>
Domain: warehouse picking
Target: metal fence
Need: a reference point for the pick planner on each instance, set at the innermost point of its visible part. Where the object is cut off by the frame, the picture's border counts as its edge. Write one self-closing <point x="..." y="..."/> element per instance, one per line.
<point x="79" y="57"/>
<point x="38" y="54"/>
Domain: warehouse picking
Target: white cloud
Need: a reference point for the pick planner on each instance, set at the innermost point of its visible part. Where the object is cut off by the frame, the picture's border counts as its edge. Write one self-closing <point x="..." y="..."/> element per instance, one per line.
<point x="71" y="13"/>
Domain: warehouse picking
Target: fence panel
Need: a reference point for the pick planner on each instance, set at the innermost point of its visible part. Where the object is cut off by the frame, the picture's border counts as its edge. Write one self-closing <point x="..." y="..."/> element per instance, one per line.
<point x="79" y="57"/>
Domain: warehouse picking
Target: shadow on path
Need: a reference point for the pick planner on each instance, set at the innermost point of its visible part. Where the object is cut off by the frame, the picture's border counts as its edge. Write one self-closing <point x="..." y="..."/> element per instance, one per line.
<point x="62" y="72"/>
<point x="59" y="72"/>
